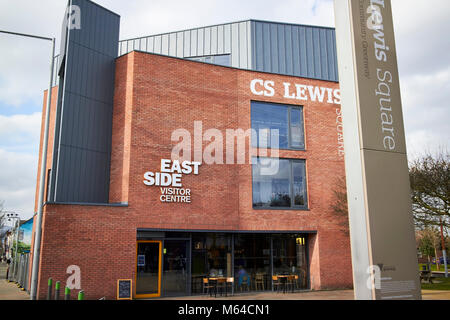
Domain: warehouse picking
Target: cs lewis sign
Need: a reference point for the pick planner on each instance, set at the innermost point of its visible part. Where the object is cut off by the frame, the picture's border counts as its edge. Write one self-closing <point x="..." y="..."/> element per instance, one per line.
<point x="381" y="228"/>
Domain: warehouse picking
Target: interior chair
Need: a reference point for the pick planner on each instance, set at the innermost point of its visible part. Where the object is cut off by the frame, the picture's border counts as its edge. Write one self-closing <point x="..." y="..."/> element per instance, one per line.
<point x="259" y="282"/>
<point x="206" y="286"/>
<point x="276" y="283"/>
<point x="291" y="282"/>
<point x="297" y="282"/>
<point x="222" y="285"/>
<point x="230" y="284"/>
<point x="245" y="283"/>
<point x="302" y="279"/>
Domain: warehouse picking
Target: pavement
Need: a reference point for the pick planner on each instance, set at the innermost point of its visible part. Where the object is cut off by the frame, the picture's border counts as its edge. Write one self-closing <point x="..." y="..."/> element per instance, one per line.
<point x="10" y="291"/>
<point x="309" y="295"/>
<point x="435" y="295"/>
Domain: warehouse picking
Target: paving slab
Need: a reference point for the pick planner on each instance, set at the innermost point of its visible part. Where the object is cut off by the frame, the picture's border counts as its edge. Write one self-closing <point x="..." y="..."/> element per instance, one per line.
<point x="9" y="290"/>
<point x="309" y="295"/>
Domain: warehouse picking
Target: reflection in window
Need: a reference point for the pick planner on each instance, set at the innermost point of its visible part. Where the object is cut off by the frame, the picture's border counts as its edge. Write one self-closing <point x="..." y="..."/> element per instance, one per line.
<point x="287" y="120"/>
<point x="299" y="184"/>
<point x="285" y="188"/>
<point x="222" y="60"/>
<point x="252" y="262"/>
<point x="271" y="190"/>
<point x="297" y="133"/>
<point x="211" y="257"/>
<point x="289" y="257"/>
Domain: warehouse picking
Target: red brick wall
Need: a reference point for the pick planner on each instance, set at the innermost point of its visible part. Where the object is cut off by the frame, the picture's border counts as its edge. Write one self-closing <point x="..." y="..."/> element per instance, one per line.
<point x="154" y="96"/>
<point x="121" y="138"/>
<point x="51" y="135"/>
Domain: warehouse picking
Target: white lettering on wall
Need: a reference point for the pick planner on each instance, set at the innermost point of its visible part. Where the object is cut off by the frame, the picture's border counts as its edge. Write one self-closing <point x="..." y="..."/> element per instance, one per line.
<point x="340" y="132"/>
<point x="383" y="92"/>
<point x="262" y="88"/>
<point x="385" y="78"/>
<point x="296" y="91"/>
<point x="170" y="176"/>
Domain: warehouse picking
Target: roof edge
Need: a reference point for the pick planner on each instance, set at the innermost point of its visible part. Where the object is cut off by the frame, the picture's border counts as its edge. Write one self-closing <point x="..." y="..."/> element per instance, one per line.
<point x="227" y="23"/>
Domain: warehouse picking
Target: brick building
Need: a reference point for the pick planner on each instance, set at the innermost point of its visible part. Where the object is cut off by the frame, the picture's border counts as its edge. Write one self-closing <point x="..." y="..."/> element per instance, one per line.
<point x="141" y="187"/>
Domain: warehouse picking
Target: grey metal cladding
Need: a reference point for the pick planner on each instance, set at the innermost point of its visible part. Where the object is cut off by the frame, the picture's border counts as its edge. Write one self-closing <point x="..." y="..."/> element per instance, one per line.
<point x="231" y="38"/>
<point x="289" y="49"/>
<point x="297" y="50"/>
<point x="85" y="124"/>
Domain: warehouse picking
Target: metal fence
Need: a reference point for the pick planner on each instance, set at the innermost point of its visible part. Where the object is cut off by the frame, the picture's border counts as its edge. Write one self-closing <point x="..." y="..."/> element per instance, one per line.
<point x="19" y="271"/>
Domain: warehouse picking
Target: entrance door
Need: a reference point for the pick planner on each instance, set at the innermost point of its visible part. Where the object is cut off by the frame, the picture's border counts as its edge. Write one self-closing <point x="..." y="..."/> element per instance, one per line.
<point x="176" y="268"/>
<point x="148" y="272"/>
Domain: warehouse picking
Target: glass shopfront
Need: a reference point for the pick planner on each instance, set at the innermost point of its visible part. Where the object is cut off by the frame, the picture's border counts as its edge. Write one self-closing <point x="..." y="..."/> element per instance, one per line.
<point x="176" y="268"/>
<point x="211" y="257"/>
<point x="252" y="267"/>
<point x="181" y="264"/>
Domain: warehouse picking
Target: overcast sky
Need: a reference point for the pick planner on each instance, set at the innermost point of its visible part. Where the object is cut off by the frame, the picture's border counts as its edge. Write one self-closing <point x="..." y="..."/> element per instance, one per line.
<point x="423" y="46"/>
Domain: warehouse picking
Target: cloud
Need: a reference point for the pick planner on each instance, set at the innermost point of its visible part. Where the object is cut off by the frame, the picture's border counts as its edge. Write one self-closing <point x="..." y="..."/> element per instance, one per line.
<point x="18" y="181"/>
<point x="20" y="133"/>
<point x="143" y="18"/>
<point x="19" y="147"/>
<point x="422" y="47"/>
<point x="426" y="112"/>
<point x="424" y="68"/>
<point x="25" y="62"/>
<point x="420" y="28"/>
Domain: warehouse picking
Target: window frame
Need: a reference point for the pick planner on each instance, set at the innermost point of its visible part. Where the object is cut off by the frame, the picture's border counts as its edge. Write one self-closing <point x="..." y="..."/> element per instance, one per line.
<point x="305" y="207"/>
<point x="212" y="57"/>
<point x="290" y="107"/>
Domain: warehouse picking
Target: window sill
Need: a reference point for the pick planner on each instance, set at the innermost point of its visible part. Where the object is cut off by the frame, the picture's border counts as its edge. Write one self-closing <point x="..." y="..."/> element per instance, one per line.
<point x="281" y="149"/>
<point x="280" y="209"/>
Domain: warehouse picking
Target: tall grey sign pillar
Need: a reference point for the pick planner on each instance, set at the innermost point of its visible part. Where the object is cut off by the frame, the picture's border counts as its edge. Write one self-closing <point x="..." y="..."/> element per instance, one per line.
<point x="384" y="255"/>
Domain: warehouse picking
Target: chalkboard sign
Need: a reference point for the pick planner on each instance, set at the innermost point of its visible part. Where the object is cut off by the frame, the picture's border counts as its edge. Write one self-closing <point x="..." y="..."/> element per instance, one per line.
<point x="124" y="289"/>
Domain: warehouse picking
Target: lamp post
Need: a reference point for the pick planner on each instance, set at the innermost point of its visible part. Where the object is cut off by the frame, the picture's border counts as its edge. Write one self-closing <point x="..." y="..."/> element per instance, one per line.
<point x="444" y="252"/>
<point x="15" y="217"/>
<point x="37" y="235"/>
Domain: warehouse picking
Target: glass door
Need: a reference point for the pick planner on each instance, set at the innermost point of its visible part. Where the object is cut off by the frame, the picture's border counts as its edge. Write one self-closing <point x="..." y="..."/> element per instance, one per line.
<point x="176" y="268"/>
<point x="148" y="271"/>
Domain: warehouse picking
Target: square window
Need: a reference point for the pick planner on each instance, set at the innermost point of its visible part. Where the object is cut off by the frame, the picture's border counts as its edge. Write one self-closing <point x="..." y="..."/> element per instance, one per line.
<point x="272" y="122"/>
<point x="279" y="183"/>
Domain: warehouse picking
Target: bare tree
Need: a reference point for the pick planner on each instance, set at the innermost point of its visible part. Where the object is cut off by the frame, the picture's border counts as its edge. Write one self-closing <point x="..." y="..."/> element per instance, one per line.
<point x="430" y="190"/>
<point x="429" y="243"/>
<point x="2" y="214"/>
<point x="339" y="204"/>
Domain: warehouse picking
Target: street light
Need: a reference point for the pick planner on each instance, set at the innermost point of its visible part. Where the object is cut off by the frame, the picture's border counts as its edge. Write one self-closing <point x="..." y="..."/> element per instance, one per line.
<point x="444" y="252"/>
<point x="37" y="239"/>
<point x="14" y="216"/>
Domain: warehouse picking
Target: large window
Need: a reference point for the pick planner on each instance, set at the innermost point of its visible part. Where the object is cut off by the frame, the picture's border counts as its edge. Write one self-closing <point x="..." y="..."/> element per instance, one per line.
<point x="211" y="257"/>
<point x="287" y="120"/>
<point x="289" y="257"/>
<point x="279" y="183"/>
<point x="252" y="268"/>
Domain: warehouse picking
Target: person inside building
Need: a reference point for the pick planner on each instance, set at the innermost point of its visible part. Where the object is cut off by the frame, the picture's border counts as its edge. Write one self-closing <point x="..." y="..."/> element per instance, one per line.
<point x="243" y="278"/>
